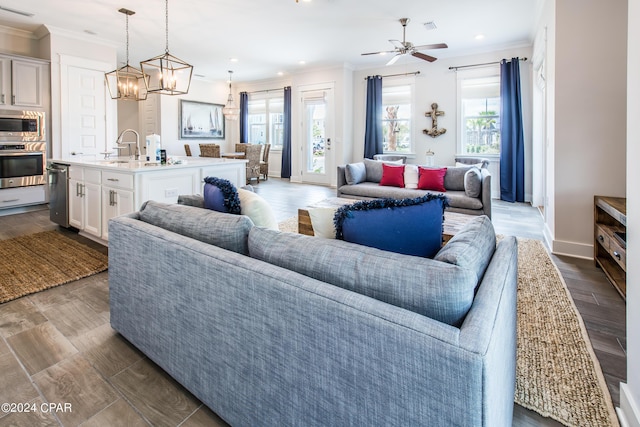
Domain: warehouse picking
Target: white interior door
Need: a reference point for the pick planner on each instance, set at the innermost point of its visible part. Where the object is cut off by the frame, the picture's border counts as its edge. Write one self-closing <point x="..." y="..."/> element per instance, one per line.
<point x="317" y="134"/>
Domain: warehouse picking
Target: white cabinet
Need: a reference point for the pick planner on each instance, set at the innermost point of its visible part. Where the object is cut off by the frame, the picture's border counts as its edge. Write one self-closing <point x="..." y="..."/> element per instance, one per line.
<point x="166" y="185"/>
<point x="84" y="200"/>
<point x="117" y="197"/>
<point x="23" y="82"/>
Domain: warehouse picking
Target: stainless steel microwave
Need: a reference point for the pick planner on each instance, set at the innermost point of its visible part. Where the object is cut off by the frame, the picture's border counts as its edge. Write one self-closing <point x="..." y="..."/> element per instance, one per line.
<point x="22" y="126"/>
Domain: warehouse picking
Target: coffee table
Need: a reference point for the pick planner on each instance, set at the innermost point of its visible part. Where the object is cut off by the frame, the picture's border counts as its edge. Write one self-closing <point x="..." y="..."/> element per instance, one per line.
<point x="453" y="221"/>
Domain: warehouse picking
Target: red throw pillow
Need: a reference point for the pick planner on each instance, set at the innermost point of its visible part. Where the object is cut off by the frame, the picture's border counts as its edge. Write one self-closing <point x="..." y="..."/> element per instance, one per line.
<point x="392" y="175"/>
<point x="431" y="179"/>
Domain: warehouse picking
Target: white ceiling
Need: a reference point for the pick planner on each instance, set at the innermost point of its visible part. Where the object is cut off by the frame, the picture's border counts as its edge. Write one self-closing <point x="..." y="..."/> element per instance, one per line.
<point x="271" y="36"/>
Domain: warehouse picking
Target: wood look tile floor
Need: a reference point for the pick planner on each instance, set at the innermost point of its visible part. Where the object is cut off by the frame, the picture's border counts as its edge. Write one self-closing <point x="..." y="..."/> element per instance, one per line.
<point x="57" y="346"/>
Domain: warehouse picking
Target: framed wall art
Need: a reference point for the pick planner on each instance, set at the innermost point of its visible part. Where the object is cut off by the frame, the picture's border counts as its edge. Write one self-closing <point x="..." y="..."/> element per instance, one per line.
<point x="201" y="120"/>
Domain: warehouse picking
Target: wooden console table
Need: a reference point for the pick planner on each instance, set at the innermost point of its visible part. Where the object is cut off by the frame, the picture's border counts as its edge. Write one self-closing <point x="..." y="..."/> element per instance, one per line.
<point x="610" y="246"/>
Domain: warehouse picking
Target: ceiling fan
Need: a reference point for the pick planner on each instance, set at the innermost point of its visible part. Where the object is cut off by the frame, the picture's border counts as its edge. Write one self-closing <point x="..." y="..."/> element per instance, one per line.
<point x="404" y="47"/>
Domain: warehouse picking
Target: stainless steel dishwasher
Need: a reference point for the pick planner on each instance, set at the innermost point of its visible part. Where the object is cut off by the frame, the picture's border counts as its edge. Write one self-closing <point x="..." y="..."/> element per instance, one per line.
<point x="59" y="193"/>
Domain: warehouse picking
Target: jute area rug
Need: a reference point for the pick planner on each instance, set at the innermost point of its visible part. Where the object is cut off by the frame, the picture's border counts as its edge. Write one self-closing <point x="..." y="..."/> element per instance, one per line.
<point x="557" y="372"/>
<point x="43" y="260"/>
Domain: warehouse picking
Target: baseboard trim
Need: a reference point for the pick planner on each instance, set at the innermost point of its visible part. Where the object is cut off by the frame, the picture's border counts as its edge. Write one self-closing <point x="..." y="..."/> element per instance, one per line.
<point x="572" y="249"/>
<point x="628" y="412"/>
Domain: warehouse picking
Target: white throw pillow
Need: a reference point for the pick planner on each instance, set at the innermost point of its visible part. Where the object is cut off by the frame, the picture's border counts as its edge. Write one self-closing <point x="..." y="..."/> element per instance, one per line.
<point x="411" y="176"/>
<point x="322" y="222"/>
<point x="256" y="208"/>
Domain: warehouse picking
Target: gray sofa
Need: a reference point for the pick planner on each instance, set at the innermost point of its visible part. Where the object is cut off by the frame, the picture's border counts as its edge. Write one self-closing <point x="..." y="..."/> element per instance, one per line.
<point x="460" y="198"/>
<point x="273" y="328"/>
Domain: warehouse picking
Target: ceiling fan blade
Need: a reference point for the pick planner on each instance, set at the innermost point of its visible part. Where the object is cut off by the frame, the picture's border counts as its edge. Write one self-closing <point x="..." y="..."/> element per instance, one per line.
<point x="431" y="46"/>
<point x="397" y="43"/>
<point x="382" y="52"/>
<point x="423" y="56"/>
<point x="394" y="59"/>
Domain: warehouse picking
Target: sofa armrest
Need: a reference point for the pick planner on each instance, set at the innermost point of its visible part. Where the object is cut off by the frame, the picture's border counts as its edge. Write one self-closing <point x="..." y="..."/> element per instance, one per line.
<point x="342" y="179"/>
<point x="486" y="192"/>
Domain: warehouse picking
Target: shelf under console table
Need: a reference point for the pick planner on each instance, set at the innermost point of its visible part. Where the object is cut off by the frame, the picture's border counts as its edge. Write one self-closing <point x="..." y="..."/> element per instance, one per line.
<point x="610" y="246"/>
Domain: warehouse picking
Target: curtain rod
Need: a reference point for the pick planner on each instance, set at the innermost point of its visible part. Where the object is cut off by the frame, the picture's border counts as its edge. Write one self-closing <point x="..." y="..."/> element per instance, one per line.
<point x="415" y="73"/>
<point x="480" y="65"/>
<point x="266" y="90"/>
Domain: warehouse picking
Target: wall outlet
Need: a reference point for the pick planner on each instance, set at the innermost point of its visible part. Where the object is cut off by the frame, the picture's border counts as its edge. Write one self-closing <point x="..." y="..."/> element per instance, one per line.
<point x="171" y="192"/>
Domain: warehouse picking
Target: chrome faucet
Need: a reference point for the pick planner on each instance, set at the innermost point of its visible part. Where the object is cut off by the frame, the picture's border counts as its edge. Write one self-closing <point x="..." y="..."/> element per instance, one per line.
<point x="119" y="141"/>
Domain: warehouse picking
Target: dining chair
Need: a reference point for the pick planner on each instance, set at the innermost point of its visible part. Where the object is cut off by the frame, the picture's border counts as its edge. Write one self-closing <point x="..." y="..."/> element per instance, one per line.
<point x="253" y="161"/>
<point x="187" y="149"/>
<point x="264" y="163"/>
<point x="209" y="150"/>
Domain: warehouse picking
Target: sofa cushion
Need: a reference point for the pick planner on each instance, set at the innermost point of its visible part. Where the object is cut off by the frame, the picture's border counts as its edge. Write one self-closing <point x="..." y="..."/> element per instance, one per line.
<point x="374" y="168"/>
<point x="454" y="179"/>
<point x="392" y="175"/>
<point x="216" y="228"/>
<point x="406" y="226"/>
<point x="355" y="173"/>
<point x="431" y="178"/>
<point x="256" y="208"/>
<point x="472" y="247"/>
<point x="411" y="176"/>
<point x="473" y="182"/>
<point x="221" y="195"/>
<point x="441" y="291"/>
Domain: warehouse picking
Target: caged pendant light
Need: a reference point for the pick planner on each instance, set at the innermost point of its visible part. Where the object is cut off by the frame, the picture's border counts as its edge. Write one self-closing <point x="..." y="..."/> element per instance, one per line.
<point x="168" y="75"/>
<point x="230" y="111"/>
<point x="127" y="83"/>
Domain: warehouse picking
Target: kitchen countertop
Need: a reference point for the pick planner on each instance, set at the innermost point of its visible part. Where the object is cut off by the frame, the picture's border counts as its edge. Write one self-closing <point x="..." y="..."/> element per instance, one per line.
<point x="124" y="164"/>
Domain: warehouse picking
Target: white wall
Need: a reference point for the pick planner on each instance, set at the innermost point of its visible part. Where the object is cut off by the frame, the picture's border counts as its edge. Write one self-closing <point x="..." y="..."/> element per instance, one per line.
<point x="589" y="116"/>
<point x="630" y="393"/>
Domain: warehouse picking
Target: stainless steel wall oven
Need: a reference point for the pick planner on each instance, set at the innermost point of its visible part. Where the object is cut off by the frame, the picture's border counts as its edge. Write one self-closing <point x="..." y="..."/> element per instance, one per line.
<point x="22" y="164"/>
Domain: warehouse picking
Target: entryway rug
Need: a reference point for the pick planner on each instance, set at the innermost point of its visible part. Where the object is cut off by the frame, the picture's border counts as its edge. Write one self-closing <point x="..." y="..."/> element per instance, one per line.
<point x="558" y="374"/>
<point x="36" y="262"/>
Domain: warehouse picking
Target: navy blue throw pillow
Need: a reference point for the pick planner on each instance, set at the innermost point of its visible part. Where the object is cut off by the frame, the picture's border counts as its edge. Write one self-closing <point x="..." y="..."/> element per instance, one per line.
<point x="405" y="226"/>
<point x="221" y="195"/>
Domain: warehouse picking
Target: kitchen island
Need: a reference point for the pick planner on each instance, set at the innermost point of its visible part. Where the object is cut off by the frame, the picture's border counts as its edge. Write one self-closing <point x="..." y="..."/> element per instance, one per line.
<point x="99" y="190"/>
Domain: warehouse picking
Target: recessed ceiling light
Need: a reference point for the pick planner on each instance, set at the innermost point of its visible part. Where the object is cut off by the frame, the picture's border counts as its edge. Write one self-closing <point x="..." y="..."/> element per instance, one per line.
<point x="302" y="62"/>
<point x="479" y="36"/>
<point x="280" y="73"/>
<point x="233" y="59"/>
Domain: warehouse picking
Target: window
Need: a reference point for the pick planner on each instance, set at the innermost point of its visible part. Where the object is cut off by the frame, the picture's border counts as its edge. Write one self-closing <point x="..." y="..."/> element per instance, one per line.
<point x="266" y="118"/>
<point x="396" y="118"/>
<point x="480" y="115"/>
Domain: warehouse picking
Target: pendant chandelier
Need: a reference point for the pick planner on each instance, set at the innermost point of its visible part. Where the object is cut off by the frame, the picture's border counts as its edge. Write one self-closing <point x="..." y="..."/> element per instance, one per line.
<point x="230" y="111"/>
<point x="127" y="83"/>
<point x="168" y="75"/>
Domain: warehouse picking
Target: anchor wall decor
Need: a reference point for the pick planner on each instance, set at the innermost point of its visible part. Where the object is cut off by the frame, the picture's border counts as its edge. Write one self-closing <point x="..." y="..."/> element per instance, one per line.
<point x="434" y="113"/>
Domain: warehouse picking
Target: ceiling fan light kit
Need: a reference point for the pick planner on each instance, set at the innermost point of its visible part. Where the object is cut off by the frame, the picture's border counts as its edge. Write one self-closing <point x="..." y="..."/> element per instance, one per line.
<point x="404" y="47"/>
<point x="168" y="75"/>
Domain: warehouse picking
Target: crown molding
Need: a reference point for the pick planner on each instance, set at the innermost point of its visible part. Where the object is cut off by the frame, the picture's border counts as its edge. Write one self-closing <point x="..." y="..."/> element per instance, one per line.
<point x="57" y="31"/>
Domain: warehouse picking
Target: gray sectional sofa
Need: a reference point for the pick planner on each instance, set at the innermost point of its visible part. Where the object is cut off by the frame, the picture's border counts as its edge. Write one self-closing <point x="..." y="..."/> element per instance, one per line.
<point x="461" y="199"/>
<point x="273" y="328"/>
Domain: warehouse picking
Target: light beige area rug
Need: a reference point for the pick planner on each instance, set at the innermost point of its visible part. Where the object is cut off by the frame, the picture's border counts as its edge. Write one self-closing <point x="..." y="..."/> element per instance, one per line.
<point x="43" y="260"/>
